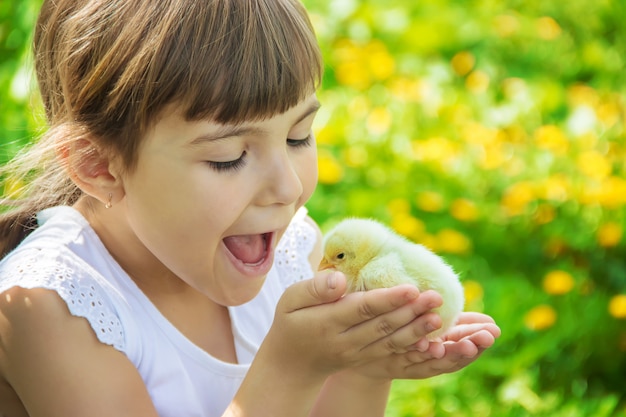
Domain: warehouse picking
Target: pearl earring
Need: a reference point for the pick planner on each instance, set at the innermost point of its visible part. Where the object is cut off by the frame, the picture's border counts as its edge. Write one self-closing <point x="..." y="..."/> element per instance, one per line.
<point x="109" y="204"/>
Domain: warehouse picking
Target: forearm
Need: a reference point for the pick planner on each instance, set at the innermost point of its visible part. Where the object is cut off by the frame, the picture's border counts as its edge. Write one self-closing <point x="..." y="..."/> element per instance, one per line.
<point x="347" y="394"/>
<point x="273" y="388"/>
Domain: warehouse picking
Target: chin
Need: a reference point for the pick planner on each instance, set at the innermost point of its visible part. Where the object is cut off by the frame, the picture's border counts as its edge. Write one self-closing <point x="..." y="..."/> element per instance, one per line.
<point x="243" y="294"/>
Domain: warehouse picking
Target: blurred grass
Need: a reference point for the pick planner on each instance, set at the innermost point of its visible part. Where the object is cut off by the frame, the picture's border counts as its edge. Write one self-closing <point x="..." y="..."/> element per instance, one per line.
<point x="493" y="132"/>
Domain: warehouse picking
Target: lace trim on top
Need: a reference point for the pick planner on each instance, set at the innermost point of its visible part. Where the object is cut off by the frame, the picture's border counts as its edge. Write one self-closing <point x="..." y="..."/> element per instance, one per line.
<point x="38" y="268"/>
<point x="291" y="260"/>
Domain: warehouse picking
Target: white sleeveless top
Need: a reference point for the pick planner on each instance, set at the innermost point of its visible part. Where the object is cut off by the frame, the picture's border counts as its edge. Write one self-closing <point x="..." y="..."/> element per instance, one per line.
<point x="65" y="255"/>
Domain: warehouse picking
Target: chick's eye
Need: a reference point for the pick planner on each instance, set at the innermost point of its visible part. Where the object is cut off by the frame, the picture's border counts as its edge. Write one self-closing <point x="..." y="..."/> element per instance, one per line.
<point x="341" y="255"/>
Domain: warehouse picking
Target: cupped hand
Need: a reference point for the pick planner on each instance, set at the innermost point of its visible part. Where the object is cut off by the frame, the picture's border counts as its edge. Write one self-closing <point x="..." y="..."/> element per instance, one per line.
<point x="318" y="329"/>
<point x="459" y="347"/>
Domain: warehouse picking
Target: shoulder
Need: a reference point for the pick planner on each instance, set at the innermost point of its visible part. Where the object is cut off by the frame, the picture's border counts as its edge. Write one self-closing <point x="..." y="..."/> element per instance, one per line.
<point x="46" y="352"/>
<point x="58" y="274"/>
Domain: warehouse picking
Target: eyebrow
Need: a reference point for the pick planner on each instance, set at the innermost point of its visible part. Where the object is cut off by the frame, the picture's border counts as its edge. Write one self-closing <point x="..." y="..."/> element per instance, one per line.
<point x="228" y="131"/>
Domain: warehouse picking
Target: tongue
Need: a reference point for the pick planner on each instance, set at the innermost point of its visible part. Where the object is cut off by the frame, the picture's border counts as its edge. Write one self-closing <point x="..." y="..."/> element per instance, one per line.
<point x="249" y="249"/>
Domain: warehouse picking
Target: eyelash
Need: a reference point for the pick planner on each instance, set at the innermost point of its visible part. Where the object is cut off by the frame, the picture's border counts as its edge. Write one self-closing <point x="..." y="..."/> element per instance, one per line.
<point x="300" y="143"/>
<point x="228" y="165"/>
<point x="239" y="163"/>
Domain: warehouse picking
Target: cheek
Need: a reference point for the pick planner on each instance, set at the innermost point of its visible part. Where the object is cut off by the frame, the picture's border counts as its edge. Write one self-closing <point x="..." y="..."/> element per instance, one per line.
<point x="308" y="174"/>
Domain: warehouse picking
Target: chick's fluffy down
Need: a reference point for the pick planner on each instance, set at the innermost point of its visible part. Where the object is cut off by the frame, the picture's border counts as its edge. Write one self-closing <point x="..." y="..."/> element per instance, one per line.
<point x="373" y="256"/>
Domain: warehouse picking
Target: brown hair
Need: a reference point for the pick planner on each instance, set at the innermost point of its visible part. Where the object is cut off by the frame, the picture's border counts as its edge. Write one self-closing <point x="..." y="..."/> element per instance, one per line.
<point x="107" y="68"/>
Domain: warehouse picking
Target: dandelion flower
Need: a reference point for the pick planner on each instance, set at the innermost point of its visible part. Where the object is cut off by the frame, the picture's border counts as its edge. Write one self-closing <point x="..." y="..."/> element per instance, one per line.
<point x="452" y="241"/>
<point x="617" y="306"/>
<point x="541" y="317"/>
<point x="609" y="234"/>
<point x="464" y="210"/>
<point x="473" y="291"/>
<point x="330" y="171"/>
<point x="558" y="282"/>
<point x="463" y="62"/>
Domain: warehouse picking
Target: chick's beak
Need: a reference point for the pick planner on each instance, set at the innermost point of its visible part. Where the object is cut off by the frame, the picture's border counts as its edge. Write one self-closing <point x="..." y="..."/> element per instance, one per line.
<point x="324" y="265"/>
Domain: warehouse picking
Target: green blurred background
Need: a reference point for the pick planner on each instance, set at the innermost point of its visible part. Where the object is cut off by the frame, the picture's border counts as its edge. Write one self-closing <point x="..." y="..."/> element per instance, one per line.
<point x="493" y="132"/>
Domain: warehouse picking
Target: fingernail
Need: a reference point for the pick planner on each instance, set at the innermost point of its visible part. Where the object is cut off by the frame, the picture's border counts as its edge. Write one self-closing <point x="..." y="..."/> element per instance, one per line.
<point x="411" y="295"/>
<point x="332" y="281"/>
<point x="430" y="327"/>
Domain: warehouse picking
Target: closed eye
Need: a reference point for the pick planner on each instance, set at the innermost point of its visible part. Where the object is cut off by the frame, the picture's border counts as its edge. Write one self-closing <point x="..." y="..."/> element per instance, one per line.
<point x="297" y="143"/>
<point x="233" y="165"/>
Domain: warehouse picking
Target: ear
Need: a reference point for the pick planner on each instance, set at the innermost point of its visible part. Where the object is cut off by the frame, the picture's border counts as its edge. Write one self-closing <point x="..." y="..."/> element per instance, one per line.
<point x="93" y="170"/>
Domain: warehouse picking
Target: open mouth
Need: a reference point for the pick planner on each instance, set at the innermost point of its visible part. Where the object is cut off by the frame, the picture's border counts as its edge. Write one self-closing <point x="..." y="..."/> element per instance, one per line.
<point x="251" y="250"/>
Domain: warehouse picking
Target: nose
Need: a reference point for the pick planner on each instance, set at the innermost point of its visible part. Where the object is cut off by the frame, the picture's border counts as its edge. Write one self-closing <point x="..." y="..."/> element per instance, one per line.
<point x="283" y="184"/>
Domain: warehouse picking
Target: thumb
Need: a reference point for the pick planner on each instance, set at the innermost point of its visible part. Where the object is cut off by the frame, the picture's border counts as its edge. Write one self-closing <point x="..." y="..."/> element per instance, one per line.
<point x="324" y="287"/>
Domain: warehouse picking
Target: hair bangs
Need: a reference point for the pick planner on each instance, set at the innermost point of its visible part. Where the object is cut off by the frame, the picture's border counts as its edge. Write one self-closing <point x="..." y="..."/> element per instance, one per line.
<point x="265" y="60"/>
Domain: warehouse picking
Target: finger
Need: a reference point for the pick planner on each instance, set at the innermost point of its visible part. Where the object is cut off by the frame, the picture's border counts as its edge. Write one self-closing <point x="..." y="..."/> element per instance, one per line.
<point x="483" y="339"/>
<point x="465" y="348"/>
<point x="324" y="287"/>
<point x="469" y="317"/>
<point x="361" y="307"/>
<point x="395" y="331"/>
<point x="451" y="357"/>
<point x="459" y="332"/>
<point x="406" y="337"/>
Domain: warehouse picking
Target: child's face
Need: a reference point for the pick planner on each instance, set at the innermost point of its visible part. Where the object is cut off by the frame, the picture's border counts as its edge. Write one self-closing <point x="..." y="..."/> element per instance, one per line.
<point x="197" y="184"/>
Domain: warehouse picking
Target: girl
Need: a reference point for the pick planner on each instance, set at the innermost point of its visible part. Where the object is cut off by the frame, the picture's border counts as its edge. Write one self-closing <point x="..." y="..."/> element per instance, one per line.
<point x="159" y="262"/>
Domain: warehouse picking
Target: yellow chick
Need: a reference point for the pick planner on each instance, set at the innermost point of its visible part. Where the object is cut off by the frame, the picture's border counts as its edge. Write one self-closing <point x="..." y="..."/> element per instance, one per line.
<point x="371" y="255"/>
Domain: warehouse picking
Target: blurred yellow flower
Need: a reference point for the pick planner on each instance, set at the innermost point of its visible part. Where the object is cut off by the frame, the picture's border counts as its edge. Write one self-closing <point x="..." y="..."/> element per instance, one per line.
<point x="431" y="201"/>
<point x="359" y="65"/>
<point x="548" y="28"/>
<point x="608" y="113"/>
<point x="544" y="214"/>
<point x="398" y="206"/>
<point x="493" y="156"/>
<point x="540" y="318"/>
<point x="556" y="187"/>
<point x="356" y="156"/>
<point x="478" y="134"/>
<point x="609" y="234"/>
<point x="352" y="74"/>
<point x="359" y="106"/>
<point x="379" y="121"/>
<point x="452" y="241"/>
<point x="581" y="94"/>
<point x="409" y="226"/>
<point x="551" y="138"/>
<point x="326" y="135"/>
<point x="517" y="197"/>
<point x="558" y="282"/>
<point x="463" y="62"/>
<point x="330" y="171"/>
<point x="477" y="82"/>
<point x="588" y="140"/>
<point x="473" y="291"/>
<point x="464" y="210"/>
<point x="381" y="63"/>
<point x="617" y="306"/>
<point x="349" y="68"/>
<point x="506" y="25"/>
<point x="407" y="89"/>
<point x="610" y="192"/>
<point x="439" y="150"/>
<point x="594" y="164"/>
